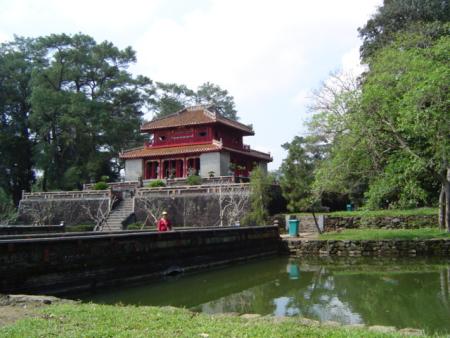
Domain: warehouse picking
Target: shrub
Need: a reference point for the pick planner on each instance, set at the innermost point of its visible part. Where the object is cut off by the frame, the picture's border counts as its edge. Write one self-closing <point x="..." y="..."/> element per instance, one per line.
<point x="194" y="180"/>
<point x="156" y="183"/>
<point x="79" y="228"/>
<point x="104" y="178"/>
<point x="8" y="213"/>
<point x="101" y="186"/>
<point x="135" y="226"/>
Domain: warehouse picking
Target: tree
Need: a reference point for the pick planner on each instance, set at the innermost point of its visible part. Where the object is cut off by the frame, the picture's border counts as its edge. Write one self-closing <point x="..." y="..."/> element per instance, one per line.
<point x="209" y="93"/>
<point x="8" y="213"/>
<point x="405" y="102"/>
<point x="298" y="172"/>
<point x="260" y="196"/>
<point x="86" y="108"/>
<point x="233" y="203"/>
<point x="16" y="144"/>
<point x="172" y="97"/>
<point x="400" y="15"/>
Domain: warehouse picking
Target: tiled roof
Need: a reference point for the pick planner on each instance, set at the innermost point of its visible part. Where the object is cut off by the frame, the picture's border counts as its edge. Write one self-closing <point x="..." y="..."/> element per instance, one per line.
<point x="189" y="149"/>
<point x="195" y="115"/>
<point x="178" y="150"/>
<point x="252" y="153"/>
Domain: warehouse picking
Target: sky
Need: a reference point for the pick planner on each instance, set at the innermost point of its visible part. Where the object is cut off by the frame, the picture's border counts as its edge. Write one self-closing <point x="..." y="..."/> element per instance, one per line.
<point x="269" y="54"/>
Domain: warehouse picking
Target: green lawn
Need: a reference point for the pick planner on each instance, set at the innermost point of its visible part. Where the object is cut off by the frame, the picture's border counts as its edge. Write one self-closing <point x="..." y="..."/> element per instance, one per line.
<point x="91" y="320"/>
<point x="381" y="213"/>
<point x="376" y="234"/>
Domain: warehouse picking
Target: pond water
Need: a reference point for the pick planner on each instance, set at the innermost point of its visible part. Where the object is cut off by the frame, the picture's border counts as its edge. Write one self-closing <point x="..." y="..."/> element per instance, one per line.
<point x="401" y="293"/>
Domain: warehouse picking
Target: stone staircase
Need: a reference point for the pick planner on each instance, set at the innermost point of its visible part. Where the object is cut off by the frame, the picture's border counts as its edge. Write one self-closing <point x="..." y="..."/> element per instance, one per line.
<point x="118" y="215"/>
<point x="307" y="224"/>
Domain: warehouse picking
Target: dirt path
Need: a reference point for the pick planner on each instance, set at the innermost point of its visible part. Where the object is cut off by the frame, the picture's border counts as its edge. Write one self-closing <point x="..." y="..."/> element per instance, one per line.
<point x="15" y="307"/>
<point x="9" y="314"/>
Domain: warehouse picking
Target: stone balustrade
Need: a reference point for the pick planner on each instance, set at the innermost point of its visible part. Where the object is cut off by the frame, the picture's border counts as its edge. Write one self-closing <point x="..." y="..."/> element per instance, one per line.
<point x="61" y="195"/>
<point x="116" y="186"/>
<point x="193" y="189"/>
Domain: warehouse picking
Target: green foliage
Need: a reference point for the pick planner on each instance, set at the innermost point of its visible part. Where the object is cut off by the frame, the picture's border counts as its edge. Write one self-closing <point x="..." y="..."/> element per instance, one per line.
<point x="104" y="178"/>
<point x="86" y="107"/>
<point x="16" y="160"/>
<point x="194" y="180"/>
<point x="135" y="226"/>
<point x="399" y="15"/>
<point x="8" y="213"/>
<point x="156" y="183"/>
<point x="297" y="172"/>
<point x="172" y="97"/>
<point x="260" y="197"/>
<point x="385" y="137"/>
<point x="79" y="228"/>
<point x="209" y="93"/>
<point x="387" y="212"/>
<point x="100" y="186"/>
<point x="380" y="234"/>
<point x="398" y="186"/>
<point x="405" y="104"/>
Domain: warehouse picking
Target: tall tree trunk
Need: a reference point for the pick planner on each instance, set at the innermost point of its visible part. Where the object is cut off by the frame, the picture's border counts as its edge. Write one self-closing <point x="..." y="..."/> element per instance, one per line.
<point x="447" y="200"/>
<point x="442" y="207"/>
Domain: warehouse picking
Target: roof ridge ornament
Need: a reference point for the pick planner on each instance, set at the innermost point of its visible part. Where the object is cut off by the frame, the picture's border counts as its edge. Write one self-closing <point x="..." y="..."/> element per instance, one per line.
<point x="210" y="112"/>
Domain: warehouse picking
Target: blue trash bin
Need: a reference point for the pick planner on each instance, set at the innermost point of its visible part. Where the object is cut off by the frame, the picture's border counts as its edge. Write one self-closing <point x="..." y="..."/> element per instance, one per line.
<point x="349" y="207"/>
<point x="293" y="227"/>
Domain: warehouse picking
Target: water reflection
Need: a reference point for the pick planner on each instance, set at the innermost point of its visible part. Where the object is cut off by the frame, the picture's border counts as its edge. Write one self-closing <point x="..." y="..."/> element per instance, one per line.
<point x="398" y="293"/>
<point x="293" y="270"/>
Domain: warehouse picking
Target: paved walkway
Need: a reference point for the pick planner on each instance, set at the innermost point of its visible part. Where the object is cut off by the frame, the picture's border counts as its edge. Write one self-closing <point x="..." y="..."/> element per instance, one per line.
<point x="302" y="236"/>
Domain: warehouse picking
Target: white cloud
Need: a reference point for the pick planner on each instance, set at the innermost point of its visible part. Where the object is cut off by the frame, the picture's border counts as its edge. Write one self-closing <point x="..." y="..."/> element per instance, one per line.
<point x="4" y="37"/>
<point x="302" y="97"/>
<point x="114" y="20"/>
<point x="351" y="62"/>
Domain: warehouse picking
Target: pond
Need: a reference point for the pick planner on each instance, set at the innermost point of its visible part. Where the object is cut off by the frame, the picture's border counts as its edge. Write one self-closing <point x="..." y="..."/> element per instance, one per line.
<point x="402" y="293"/>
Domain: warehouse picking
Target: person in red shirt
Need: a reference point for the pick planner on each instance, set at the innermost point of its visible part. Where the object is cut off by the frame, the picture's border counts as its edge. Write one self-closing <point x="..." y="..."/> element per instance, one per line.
<point x="164" y="223"/>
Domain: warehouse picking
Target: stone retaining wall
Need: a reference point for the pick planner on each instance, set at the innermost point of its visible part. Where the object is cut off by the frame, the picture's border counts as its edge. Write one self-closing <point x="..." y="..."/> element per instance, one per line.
<point x="54" y="211"/>
<point x="201" y="210"/>
<point x="30" y="229"/>
<point x="54" y="264"/>
<point x="398" y="248"/>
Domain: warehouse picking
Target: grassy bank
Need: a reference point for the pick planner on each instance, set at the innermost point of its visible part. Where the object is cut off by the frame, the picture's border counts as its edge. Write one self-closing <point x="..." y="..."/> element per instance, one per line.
<point x="380" y="213"/>
<point x="387" y="213"/>
<point x="91" y="320"/>
<point x="377" y="234"/>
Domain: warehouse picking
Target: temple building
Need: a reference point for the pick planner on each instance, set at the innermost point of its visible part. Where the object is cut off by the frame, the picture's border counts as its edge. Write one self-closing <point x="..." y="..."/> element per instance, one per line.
<point x="194" y="140"/>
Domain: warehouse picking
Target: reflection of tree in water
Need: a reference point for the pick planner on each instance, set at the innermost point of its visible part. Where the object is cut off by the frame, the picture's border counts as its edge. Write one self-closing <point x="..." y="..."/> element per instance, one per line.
<point x="318" y="299"/>
<point x="413" y="299"/>
<point x="403" y="299"/>
<point x="253" y="300"/>
<point x="373" y="293"/>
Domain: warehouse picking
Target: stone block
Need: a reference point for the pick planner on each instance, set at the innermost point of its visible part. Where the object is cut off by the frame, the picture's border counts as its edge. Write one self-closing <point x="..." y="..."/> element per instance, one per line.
<point x="382" y="329"/>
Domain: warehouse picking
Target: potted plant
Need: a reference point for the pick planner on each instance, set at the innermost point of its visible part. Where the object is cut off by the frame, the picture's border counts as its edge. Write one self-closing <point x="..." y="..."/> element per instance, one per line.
<point x="211" y="173"/>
